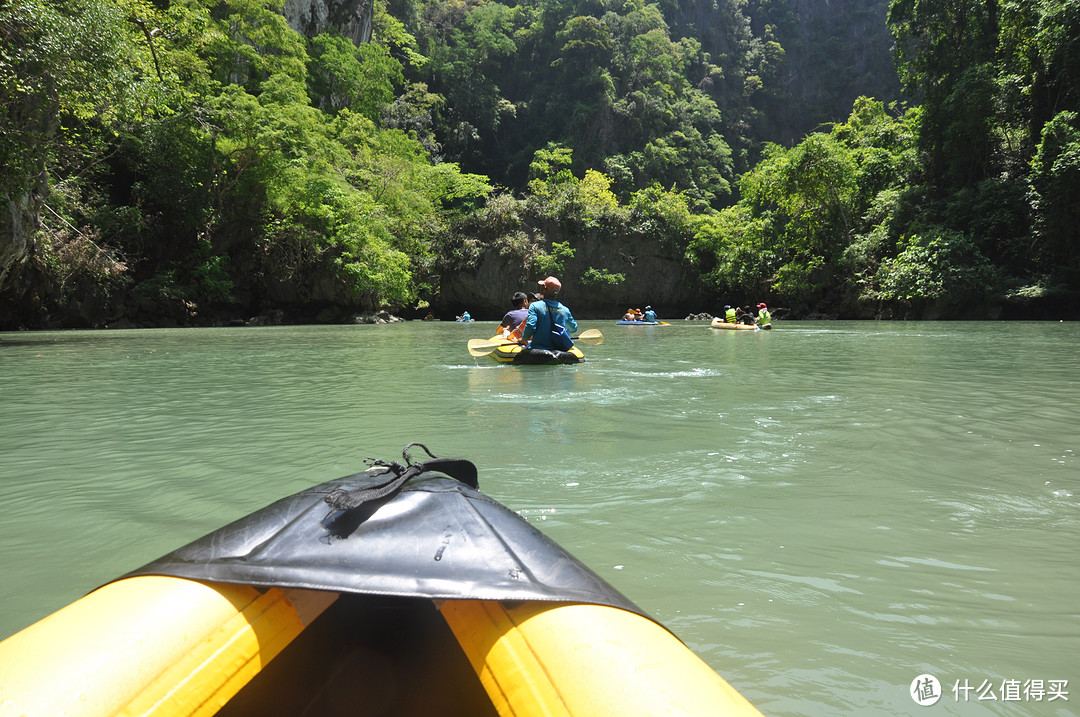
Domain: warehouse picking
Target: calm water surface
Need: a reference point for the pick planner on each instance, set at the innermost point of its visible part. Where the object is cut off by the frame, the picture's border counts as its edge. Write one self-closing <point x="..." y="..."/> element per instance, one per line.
<point x="823" y="512"/>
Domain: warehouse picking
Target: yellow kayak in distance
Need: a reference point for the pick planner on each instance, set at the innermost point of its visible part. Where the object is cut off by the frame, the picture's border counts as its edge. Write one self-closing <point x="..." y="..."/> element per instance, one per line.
<point x="719" y="323"/>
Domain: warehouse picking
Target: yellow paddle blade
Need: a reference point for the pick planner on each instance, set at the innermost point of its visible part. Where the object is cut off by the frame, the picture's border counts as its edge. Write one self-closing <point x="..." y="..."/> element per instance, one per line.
<point x="482" y="347"/>
<point x="592" y="336"/>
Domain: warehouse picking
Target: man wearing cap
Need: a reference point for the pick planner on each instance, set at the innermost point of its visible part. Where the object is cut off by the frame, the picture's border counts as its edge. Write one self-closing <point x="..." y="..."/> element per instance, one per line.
<point x="729" y="314"/>
<point x="649" y="315"/>
<point x="543" y="313"/>
<point x="764" y="318"/>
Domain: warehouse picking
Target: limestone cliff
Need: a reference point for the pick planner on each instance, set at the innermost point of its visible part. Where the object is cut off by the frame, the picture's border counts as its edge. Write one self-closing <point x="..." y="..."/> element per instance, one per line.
<point x="20" y="202"/>
<point x="16" y="231"/>
<point x="351" y="18"/>
<point x="650" y="278"/>
<point x="835" y="51"/>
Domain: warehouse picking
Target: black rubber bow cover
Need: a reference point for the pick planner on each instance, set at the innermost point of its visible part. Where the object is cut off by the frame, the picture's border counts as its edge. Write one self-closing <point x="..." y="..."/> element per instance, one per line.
<point x="418" y="529"/>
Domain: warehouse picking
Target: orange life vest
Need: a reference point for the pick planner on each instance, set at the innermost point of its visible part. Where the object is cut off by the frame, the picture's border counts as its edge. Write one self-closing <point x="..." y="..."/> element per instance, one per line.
<point x="515" y="335"/>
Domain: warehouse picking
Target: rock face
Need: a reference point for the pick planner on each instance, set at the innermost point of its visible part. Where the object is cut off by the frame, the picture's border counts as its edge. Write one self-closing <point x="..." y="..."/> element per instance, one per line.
<point x="37" y="116"/>
<point x="351" y="18"/>
<point x="649" y="279"/>
<point x="16" y="229"/>
<point x="836" y="50"/>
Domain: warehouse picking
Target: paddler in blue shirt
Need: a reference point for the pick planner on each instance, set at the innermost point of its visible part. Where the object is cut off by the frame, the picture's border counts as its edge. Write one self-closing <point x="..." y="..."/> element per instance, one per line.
<point x="650" y="315"/>
<point x="539" y="322"/>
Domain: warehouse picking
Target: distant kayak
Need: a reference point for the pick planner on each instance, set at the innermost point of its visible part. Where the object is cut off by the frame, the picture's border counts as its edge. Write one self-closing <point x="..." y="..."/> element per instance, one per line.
<point x="719" y="323"/>
<point x="637" y="323"/>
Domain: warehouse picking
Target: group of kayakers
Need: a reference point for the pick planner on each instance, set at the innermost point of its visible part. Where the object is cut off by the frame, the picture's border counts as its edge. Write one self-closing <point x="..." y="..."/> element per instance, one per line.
<point x="541" y="322"/>
<point x="741" y="315"/>
<point x="539" y="319"/>
<point x="638" y="315"/>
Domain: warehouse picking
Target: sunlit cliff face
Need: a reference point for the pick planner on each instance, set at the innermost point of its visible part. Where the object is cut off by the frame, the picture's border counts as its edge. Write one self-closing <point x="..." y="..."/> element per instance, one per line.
<point x="351" y="18"/>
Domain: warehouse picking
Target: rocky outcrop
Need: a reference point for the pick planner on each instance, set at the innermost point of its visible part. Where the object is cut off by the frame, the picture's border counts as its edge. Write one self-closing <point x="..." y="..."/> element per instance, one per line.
<point x="351" y="18"/>
<point x="17" y="226"/>
<point x="25" y="185"/>
<point x="650" y="278"/>
<point x="835" y="51"/>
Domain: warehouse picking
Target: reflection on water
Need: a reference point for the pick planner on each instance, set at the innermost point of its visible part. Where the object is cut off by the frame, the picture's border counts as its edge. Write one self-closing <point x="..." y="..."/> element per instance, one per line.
<point x="823" y="512"/>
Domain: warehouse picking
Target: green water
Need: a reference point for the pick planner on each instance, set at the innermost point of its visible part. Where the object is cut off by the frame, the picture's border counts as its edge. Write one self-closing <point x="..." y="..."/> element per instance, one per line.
<point x="822" y="512"/>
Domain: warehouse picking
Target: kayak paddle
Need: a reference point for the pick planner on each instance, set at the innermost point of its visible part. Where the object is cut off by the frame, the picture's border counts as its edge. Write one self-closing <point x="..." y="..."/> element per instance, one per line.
<point x="592" y="337"/>
<point x="482" y="347"/>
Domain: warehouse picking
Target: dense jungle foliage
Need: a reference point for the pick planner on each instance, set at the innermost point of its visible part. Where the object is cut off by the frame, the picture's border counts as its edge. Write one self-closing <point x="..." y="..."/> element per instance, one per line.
<point x="187" y="161"/>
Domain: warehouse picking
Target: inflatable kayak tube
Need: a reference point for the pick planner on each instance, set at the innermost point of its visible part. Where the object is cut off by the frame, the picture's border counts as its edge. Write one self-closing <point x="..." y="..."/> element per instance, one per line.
<point x="719" y="323"/>
<point x="510" y="352"/>
<point x="298" y="609"/>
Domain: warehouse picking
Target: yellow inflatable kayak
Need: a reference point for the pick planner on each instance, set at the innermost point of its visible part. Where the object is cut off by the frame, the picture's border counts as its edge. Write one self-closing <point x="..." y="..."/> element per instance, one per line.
<point x="504" y="350"/>
<point x="719" y="323"/>
<point x="399" y="592"/>
<point x="509" y="352"/>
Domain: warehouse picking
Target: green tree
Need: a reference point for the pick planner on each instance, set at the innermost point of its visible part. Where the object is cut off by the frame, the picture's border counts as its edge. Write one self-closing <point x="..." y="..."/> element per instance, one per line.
<point x="361" y="78"/>
<point x="73" y="76"/>
<point x="992" y="77"/>
<point x="249" y="41"/>
<point x="1055" y="177"/>
<point x="603" y="79"/>
<point x="814" y="218"/>
<point x="944" y="50"/>
<point x="943" y="265"/>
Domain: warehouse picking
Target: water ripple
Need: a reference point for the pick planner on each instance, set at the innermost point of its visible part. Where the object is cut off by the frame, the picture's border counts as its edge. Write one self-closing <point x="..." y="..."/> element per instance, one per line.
<point x="822" y="512"/>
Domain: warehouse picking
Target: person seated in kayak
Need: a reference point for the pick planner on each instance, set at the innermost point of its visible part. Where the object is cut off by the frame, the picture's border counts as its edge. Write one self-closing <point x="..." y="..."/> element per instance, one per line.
<point x="542" y="317"/>
<point x="649" y="314"/>
<point x="745" y="316"/>
<point x="515" y="316"/>
<point x="729" y="315"/>
<point x="515" y="334"/>
<point x="764" y="318"/>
